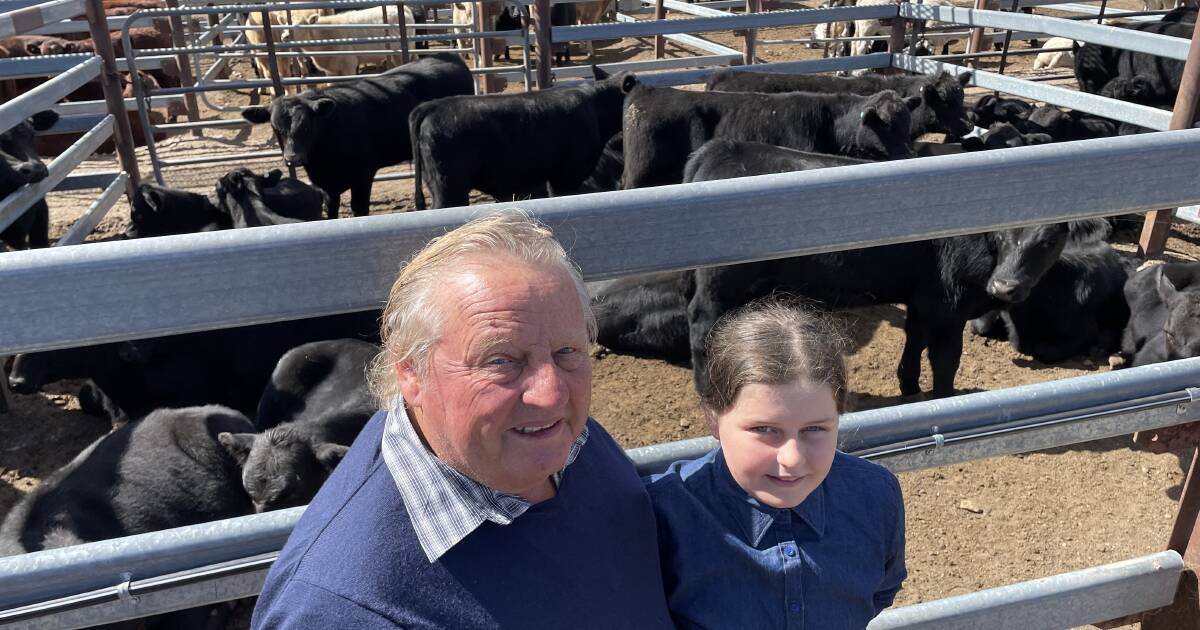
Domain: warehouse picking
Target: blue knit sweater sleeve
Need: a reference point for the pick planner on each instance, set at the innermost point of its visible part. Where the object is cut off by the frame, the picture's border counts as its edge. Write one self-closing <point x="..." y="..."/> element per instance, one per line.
<point x="304" y="605"/>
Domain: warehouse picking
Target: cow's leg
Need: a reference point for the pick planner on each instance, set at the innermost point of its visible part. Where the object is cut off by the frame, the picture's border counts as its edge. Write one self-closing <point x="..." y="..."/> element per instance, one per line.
<point x="915" y="340"/>
<point x="335" y="202"/>
<point x="945" y="353"/>
<point x="39" y="231"/>
<point x="702" y="312"/>
<point x="360" y="196"/>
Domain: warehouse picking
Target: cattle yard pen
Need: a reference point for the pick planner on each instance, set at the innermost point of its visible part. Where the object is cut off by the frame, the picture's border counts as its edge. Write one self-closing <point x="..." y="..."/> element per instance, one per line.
<point x="125" y="290"/>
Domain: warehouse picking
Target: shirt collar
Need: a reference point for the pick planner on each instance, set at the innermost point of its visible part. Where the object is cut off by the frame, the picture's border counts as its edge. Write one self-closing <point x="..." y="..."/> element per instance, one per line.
<point x="754" y="518"/>
<point x="443" y="504"/>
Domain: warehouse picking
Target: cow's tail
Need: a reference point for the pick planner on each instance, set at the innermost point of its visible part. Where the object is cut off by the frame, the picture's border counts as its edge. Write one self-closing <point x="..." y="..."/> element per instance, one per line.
<point x="414" y="133"/>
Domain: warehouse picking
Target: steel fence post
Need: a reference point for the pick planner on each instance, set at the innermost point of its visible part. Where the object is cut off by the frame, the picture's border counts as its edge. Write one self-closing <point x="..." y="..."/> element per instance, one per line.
<point x="110" y="83"/>
<point x="185" y="66"/>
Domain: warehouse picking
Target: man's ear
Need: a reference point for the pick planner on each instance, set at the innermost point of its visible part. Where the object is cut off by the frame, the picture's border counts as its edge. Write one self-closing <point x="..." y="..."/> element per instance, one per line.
<point x="408" y="380"/>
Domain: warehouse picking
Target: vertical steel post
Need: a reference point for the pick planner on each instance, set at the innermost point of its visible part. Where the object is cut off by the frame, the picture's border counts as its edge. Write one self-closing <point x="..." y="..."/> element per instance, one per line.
<point x="526" y="67"/>
<point x="541" y="27"/>
<point x="975" y="43"/>
<point x="1184" y="538"/>
<point x="1158" y="222"/>
<point x="273" y="69"/>
<point x="660" y="42"/>
<point x="110" y="83"/>
<point x="1008" y="37"/>
<point x="752" y="6"/>
<point x="185" y="67"/>
<point x="896" y="42"/>
<point x="403" y="21"/>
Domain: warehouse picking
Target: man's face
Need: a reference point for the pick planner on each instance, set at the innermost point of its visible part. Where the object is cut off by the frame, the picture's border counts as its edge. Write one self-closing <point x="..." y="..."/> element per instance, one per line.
<point x="509" y="382"/>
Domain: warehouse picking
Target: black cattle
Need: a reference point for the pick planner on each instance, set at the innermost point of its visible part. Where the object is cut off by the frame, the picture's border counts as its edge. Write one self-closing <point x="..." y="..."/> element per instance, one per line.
<point x="343" y="134"/>
<point x="514" y="144"/>
<point x="663" y="126"/>
<point x="166" y="470"/>
<point x="1182" y="13"/>
<point x="645" y="316"/>
<point x="720" y="158"/>
<point x="314" y="406"/>
<point x="943" y="283"/>
<point x="240" y="199"/>
<point x="1004" y="136"/>
<point x="1096" y="65"/>
<point x="228" y="366"/>
<point x="250" y="200"/>
<point x="1069" y="125"/>
<point x="1164" y="320"/>
<point x="991" y="109"/>
<point x="20" y="165"/>
<point x="1078" y="308"/>
<point x="606" y="175"/>
<point x="941" y="108"/>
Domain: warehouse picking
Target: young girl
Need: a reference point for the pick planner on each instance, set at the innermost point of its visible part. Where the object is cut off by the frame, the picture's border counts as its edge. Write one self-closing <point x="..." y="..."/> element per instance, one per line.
<point x="776" y="528"/>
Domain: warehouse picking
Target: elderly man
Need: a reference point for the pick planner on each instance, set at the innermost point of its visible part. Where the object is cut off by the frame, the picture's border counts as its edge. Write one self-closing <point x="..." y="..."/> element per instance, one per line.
<point x="482" y="496"/>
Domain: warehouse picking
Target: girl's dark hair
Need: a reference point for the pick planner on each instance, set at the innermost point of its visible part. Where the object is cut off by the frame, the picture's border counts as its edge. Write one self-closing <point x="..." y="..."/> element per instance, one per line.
<point x="773" y="341"/>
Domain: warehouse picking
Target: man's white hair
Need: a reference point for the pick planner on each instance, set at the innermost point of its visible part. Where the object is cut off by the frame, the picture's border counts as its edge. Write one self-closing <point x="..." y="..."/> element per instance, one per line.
<point x="411" y="323"/>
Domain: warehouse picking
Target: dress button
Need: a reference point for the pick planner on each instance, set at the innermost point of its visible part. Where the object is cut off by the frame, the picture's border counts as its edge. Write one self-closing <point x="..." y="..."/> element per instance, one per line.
<point x="795" y="607"/>
<point x="789" y="551"/>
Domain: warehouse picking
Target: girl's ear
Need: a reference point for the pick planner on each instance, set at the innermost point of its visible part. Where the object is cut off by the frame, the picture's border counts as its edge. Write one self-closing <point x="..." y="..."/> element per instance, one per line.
<point x="710" y="418"/>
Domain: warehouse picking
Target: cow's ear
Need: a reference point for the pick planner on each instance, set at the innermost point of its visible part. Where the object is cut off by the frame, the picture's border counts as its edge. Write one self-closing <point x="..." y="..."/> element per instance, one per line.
<point x="1085" y="231"/>
<point x="598" y="74"/>
<point x="928" y="93"/>
<point x="44" y="119"/>
<point x="257" y="114"/>
<point x="965" y="78"/>
<point x="151" y="196"/>
<point x="629" y="83"/>
<point x="33" y="49"/>
<point x="330" y="455"/>
<point x="272" y="178"/>
<point x="1166" y="290"/>
<point x="913" y="102"/>
<point x="238" y="445"/>
<point x="324" y="106"/>
<point x="869" y="116"/>
<point x="312" y="19"/>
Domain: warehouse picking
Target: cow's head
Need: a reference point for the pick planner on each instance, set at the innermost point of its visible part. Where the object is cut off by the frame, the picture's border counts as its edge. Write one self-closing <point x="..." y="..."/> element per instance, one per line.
<point x="1024" y="255"/>
<point x="884" y="123"/>
<point x="160" y="211"/>
<point x="19" y="162"/>
<point x="33" y="371"/>
<point x="1181" y="328"/>
<point x="942" y="105"/>
<point x="281" y="467"/>
<point x="296" y="120"/>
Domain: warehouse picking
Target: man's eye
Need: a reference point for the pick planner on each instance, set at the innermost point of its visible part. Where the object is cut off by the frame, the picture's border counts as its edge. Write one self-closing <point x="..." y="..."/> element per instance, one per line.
<point x="566" y="350"/>
<point x="500" y="361"/>
<point x="764" y="430"/>
<point x="815" y="428"/>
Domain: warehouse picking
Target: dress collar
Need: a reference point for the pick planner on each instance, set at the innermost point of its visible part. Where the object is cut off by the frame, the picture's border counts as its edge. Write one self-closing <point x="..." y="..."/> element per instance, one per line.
<point x="755" y="518"/>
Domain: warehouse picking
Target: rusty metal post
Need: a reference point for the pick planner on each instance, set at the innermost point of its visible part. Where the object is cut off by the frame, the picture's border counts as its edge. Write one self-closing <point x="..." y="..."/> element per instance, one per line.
<point x="975" y="43"/>
<point x="545" y="54"/>
<point x="896" y="43"/>
<point x="403" y="21"/>
<point x="1158" y="222"/>
<point x="1183" y="613"/>
<point x="752" y="6"/>
<point x="1184" y="538"/>
<point x="110" y="83"/>
<point x="185" y="67"/>
<point x="660" y="42"/>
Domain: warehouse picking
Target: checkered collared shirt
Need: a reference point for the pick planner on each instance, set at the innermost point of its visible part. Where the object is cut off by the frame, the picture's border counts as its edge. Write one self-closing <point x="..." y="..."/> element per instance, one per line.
<point x="443" y="504"/>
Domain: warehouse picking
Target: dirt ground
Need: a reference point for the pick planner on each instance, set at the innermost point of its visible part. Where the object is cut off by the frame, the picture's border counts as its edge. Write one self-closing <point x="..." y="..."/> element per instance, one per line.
<point x="1033" y="515"/>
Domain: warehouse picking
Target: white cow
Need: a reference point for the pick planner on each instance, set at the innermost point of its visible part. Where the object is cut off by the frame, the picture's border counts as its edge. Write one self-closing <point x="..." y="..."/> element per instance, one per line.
<point x="341" y="65"/>
<point x="1059" y="59"/>
<point x="288" y="66"/>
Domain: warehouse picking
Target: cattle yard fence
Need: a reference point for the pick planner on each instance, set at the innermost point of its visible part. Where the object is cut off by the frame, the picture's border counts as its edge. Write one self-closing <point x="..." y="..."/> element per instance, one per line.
<point x="124" y="290"/>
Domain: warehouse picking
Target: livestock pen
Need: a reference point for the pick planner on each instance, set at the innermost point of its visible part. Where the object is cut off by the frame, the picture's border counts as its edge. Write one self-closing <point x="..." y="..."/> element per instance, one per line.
<point x="125" y="290"/>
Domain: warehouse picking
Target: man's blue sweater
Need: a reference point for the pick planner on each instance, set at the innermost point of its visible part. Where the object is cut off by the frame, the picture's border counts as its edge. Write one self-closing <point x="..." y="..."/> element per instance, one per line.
<point x="588" y="558"/>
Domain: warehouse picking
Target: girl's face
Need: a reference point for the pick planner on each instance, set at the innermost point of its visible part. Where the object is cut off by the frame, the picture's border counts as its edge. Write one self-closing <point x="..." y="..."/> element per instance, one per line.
<point x="779" y="440"/>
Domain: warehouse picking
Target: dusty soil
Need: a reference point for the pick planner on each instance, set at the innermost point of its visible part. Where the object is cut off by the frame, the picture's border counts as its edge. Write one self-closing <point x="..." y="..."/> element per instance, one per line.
<point x="1031" y="515"/>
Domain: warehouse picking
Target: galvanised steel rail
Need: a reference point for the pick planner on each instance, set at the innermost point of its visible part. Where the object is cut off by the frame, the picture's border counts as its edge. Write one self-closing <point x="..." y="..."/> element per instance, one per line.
<point x="126" y="290"/>
<point x="200" y="564"/>
<point x="27" y="18"/>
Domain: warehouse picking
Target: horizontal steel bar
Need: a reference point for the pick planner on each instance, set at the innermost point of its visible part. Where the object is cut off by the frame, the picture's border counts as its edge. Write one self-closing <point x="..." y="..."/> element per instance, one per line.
<point x="99" y="107"/>
<point x="124" y="290"/>
<point x="204" y="124"/>
<point x="47" y="94"/>
<point x="1150" y="117"/>
<point x="832" y="64"/>
<point x="1161" y="45"/>
<point x="1002" y="422"/>
<point x="691" y="9"/>
<point x="45" y="65"/>
<point x="215" y="159"/>
<point x="1068" y="600"/>
<point x="14" y="205"/>
<point x="710" y="47"/>
<point x="640" y="67"/>
<point x="723" y="23"/>
<point x="94" y="213"/>
<point x="115" y="22"/>
<point x="74" y="124"/>
<point x="27" y="18"/>
<point x="86" y="181"/>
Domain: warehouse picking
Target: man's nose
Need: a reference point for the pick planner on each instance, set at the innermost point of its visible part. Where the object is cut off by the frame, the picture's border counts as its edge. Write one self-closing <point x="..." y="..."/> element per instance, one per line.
<point x="790" y="455"/>
<point x="546" y="386"/>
